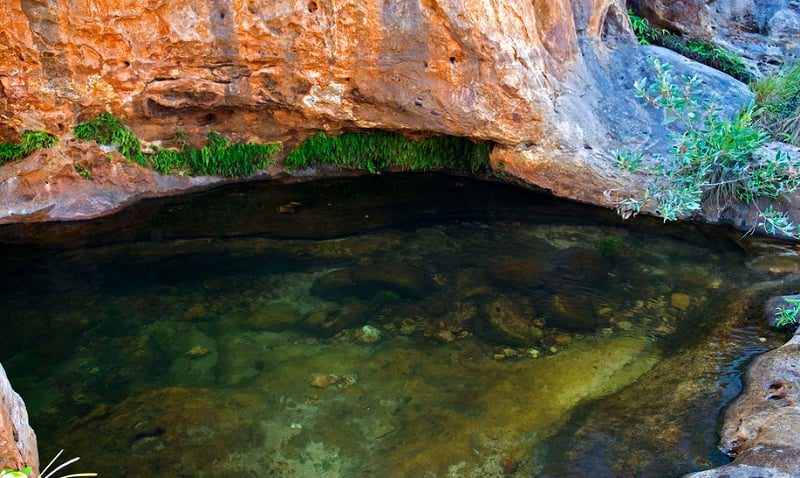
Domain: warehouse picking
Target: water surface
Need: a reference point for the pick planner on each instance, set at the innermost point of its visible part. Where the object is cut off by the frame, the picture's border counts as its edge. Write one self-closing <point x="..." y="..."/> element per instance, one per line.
<point x="405" y="325"/>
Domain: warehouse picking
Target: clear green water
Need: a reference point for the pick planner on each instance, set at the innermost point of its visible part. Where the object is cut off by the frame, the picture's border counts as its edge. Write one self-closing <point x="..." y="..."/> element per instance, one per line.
<point x="508" y="334"/>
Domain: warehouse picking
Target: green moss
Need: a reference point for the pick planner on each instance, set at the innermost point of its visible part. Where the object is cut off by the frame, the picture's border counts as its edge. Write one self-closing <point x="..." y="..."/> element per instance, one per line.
<point x="218" y="157"/>
<point x="86" y="173"/>
<point x="778" y="99"/>
<point x="30" y="142"/>
<point x="699" y="50"/>
<point x="383" y="150"/>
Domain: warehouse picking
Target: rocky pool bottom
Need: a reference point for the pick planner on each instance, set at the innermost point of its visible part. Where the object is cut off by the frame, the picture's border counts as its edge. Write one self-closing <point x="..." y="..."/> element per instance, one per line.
<point x="405" y="325"/>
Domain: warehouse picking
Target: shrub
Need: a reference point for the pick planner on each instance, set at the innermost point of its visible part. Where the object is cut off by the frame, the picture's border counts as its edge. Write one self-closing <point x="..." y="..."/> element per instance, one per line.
<point x="711" y="158"/>
<point x="699" y="50"/>
<point x="30" y="142"/>
<point x="383" y="150"/>
<point x="779" y="100"/>
<point x="218" y="157"/>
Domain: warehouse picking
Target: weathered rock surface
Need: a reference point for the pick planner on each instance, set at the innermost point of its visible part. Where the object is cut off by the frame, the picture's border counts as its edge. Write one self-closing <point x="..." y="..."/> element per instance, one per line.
<point x="549" y="82"/>
<point x="762" y="31"/>
<point x="760" y="427"/>
<point x="47" y="186"/>
<point x="17" y="439"/>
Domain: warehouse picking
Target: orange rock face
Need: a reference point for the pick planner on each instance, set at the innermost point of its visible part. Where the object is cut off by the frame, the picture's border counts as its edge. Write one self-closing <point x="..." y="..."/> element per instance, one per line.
<point x="17" y="440"/>
<point x="262" y="67"/>
<point x="549" y="81"/>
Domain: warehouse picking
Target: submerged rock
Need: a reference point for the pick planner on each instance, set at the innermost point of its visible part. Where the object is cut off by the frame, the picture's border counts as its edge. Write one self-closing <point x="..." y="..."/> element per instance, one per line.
<point x="518" y="272"/>
<point x="507" y="322"/>
<point x="275" y="316"/>
<point x="328" y="322"/>
<point x="367" y="334"/>
<point x="681" y="301"/>
<point x="191" y="354"/>
<point x="573" y="311"/>
<point x="367" y="281"/>
<point x="581" y="265"/>
<point x="320" y="380"/>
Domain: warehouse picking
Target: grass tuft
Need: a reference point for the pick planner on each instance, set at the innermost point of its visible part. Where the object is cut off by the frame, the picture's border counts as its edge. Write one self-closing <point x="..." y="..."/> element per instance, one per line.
<point x="30" y="142"/>
<point x="778" y="98"/>
<point x="217" y="158"/>
<point x="701" y="51"/>
<point x="379" y="150"/>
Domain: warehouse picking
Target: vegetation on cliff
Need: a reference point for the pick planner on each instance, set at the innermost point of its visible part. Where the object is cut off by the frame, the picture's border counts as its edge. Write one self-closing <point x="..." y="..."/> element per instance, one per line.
<point x="218" y="157"/>
<point x="778" y="98"/>
<point x="372" y="151"/>
<point x="30" y="142"/>
<point x="712" y="159"/>
<point x="697" y="49"/>
<point x="378" y="150"/>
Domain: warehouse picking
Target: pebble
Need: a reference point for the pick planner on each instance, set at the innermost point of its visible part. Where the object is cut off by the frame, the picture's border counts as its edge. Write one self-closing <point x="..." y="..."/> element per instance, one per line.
<point x="321" y="380"/>
<point x="367" y="334"/>
<point x="445" y="336"/>
<point x="562" y="340"/>
<point x="680" y="301"/>
<point x="533" y="353"/>
<point x="408" y="327"/>
<point x="509" y="465"/>
<point x="624" y="325"/>
<point x="197" y="351"/>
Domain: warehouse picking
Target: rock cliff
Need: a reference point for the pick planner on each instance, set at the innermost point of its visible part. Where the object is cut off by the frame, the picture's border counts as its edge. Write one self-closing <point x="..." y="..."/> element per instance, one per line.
<point x="550" y="82"/>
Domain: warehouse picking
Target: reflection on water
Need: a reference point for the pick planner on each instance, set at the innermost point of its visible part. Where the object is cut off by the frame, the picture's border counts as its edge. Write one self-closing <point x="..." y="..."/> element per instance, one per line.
<point x="383" y="326"/>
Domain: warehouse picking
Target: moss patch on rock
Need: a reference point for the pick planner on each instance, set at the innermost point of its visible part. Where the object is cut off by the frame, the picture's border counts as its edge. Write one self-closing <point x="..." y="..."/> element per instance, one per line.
<point x="30" y="142"/>
<point x="217" y="158"/>
<point x="379" y="150"/>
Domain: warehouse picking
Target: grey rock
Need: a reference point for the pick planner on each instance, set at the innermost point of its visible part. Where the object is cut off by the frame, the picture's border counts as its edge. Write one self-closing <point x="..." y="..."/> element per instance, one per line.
<point x="760" y="428"/>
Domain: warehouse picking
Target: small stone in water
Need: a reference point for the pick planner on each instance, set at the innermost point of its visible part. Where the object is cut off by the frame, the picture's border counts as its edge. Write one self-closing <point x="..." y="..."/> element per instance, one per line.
<point x="509" y="465"/>
<point x="762" y="339"/>
<point x="197" y="351"/>
<point x="624" y="325"/>
<point x="321" y="380"/>
<point x="445" y="336"/>
<point x="367" y="334"/>
<point x="533" y="353"/>
<point x="553" y="349"/>
<point x="562" y="340"/>
<point x="289" y="208"/>
<point x="681" y="301"/>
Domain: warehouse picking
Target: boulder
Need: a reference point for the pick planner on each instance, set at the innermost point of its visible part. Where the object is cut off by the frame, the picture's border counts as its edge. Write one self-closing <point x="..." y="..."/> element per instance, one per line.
<point x="760" y="428"/>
